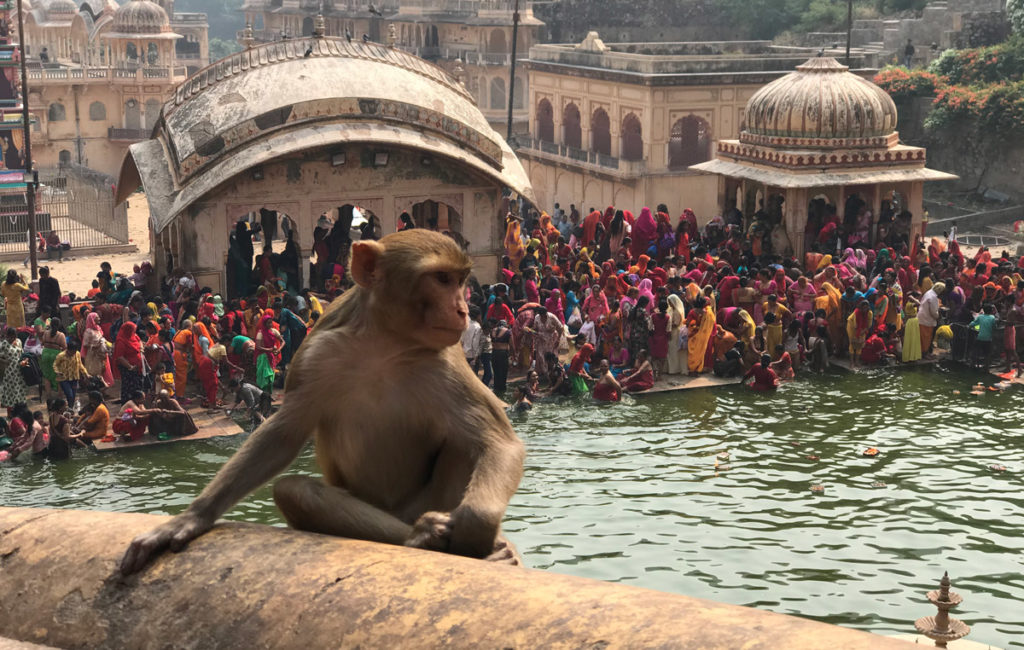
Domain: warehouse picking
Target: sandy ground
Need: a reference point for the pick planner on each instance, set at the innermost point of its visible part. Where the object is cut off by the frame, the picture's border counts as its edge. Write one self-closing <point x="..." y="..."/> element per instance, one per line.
<point x="76" y="273"/>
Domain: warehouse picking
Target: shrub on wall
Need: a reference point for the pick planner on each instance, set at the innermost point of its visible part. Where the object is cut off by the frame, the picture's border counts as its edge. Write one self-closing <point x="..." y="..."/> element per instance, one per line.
<point x="901" y="83"/>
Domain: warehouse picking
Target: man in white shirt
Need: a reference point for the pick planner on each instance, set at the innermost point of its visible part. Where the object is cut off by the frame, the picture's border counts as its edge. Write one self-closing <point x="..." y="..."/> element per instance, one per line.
<point x="471" y="338"/>
<point x="928" y="316"/>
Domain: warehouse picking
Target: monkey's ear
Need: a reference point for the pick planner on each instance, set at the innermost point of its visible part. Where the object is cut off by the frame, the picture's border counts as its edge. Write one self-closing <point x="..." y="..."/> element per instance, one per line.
<point x="365" y="258"/>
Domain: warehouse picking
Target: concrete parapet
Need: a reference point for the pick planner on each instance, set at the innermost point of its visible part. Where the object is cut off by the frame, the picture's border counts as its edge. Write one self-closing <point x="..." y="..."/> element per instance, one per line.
<point x="251" y="586"/>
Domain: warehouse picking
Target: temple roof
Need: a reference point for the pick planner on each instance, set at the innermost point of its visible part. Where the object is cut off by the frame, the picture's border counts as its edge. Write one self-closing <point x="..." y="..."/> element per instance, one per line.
<point x="300" y="94"/>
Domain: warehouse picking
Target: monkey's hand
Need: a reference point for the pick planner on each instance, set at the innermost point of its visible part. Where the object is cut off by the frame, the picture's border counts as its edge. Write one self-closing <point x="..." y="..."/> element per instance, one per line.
<point x="432" y="531"/>
<point x="175" y="535"/>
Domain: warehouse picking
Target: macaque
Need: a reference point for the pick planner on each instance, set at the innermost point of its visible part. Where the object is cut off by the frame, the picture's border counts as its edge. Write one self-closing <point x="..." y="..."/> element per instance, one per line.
<point x="413" y="448"/>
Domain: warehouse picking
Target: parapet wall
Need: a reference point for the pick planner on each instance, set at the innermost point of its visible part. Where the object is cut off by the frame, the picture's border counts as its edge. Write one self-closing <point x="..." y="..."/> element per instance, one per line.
<point x="250" y="586"/>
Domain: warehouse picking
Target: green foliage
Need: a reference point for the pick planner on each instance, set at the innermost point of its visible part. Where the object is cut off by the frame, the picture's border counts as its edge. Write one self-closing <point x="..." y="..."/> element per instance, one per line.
<point x="220" y="48"/>
<point x="984" y="65"/>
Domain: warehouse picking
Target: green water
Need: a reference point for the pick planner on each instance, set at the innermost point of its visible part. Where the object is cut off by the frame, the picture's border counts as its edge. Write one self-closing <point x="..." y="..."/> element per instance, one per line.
<point x="629" y="493"/>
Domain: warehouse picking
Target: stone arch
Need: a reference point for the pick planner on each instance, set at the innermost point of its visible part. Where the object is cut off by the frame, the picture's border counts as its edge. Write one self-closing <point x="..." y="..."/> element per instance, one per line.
<point x="497" y="43"/>
<point x="545" y="121"/>
<point x="689" y="142"/>
<point x="56" y="113"/>
<point x="97" y="111"/>
<point x="498" y="98"/>
<point x="632" y="146"/>
<point x="600" y="132"/>
<point x="572" y="132"/>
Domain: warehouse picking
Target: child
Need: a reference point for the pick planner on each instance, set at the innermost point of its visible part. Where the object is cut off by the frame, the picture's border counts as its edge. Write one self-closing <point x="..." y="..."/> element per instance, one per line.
<point x="772" y="333"/>
<point x="659" y="339"/>
<point x="523" y="402"/>
<point x="984" y="324"/>
<point x="69" y="370"/>
<point x="164" y="380"/>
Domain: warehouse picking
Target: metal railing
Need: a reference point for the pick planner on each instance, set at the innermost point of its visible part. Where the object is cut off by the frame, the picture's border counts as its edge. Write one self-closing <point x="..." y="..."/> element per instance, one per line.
<point x="75" y="203"/>
<point x="580" y="155"/>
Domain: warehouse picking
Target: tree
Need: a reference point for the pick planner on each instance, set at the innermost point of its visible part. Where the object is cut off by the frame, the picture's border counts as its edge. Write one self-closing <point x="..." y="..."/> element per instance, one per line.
<point x="220" y="48"/>
<point x="1015" y="12"/>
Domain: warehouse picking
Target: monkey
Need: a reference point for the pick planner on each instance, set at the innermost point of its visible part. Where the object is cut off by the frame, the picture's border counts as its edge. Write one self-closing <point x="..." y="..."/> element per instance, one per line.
<point x="413" y="448"/>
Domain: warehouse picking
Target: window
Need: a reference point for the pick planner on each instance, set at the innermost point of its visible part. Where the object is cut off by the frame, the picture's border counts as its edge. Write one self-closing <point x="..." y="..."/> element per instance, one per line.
<point x="97" y="112"/>
<point x="632" y="138"/>
<point x="600" y="132"/>
<point x="57" y="112"/>
<point x="545" y="121"/>
<point x="689" y="143"/>
<point x="64" y="157"/>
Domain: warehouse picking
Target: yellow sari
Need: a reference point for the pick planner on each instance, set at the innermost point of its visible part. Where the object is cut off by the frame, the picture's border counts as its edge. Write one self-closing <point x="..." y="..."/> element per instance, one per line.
<point x="698" y="345"/>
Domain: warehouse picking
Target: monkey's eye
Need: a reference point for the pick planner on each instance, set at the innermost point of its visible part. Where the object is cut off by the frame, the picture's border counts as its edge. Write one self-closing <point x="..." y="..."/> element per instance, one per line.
<point x="444" y="277"/>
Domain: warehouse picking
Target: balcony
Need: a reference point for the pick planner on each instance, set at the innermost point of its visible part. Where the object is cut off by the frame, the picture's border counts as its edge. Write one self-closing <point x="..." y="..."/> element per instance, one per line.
<point x="187" y="50"/>
<point x="132" y="75"/>
<point x="592" y="160"/>
<point x="129" y="135"/>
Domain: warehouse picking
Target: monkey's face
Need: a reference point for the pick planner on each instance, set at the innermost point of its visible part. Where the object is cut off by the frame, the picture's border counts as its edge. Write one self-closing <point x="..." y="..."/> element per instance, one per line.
<point x="443" y="312"/>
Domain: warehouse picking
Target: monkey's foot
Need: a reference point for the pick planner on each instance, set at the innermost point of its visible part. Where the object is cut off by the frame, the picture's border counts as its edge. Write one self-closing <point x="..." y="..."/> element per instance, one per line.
<point x="505" y="553"/>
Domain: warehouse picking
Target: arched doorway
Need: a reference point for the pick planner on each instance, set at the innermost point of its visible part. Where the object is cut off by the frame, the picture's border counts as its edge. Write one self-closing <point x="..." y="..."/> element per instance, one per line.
<point x="439" y="217"/>
<point x="259" y="251"/>
<point x="545" y="121"/>
<point x="689" y="142"/>
<point x="572" y="133"/>
<point x="132" y="115"/>
<point x="307" y="26"/>
<point x="632" y="138"/>
<point x="497" y="43"/>
<point x="600" y="132"/>
<point x="498" y="99"/>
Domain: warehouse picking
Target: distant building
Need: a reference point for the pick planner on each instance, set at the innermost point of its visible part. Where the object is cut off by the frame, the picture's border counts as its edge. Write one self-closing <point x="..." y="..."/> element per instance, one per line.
<point x="476" y="32"/>
<point x="99" y="73"/>
<point x="621" y="123"/>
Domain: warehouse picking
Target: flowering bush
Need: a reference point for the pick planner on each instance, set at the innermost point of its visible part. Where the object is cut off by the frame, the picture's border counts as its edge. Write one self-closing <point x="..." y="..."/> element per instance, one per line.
<point x="983" y="65"/>
<point x="901" y="83"/>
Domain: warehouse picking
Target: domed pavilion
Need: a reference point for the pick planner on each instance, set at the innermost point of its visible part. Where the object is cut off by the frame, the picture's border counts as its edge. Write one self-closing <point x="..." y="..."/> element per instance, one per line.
<point x="821" y="139"/>
<point x="297" y="134"/>
<point x="141" y="35"/>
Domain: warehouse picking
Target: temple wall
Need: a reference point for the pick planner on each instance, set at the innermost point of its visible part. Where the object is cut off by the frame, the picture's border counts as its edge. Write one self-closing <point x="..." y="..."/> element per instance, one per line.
<point x="305" y="187"/>
<point x="553" y="182"/>
<point x="251" y="586"/>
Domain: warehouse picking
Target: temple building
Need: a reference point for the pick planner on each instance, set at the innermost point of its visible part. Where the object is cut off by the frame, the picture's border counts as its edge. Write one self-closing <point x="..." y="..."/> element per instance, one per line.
<point x="379" y="131"/>
<point x="478" y="33"/>
<point x="621" y="123"/>
<point x="822" y="140"/>
<point x="99" y="73"/>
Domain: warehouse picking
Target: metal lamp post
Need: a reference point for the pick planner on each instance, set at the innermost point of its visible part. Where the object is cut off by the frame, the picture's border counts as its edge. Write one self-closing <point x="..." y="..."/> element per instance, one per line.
<point x="30" y="184"/>
<point x="512" y="67"/>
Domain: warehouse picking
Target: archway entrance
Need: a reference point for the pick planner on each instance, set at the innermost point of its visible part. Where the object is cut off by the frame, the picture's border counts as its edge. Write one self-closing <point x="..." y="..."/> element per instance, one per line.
<point x="439" y="217"/>
<point x="263" y="247"/>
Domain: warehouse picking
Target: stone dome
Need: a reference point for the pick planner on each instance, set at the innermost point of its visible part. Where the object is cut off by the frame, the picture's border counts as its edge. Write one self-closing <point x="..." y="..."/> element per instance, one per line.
<point x="822" y="99"/>
<point x="61" y="8"/>
<point x="141" y="17"/>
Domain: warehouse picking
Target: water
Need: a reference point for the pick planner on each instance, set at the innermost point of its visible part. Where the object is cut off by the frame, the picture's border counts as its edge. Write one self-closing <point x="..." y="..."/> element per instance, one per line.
<point x="630" y="493"/>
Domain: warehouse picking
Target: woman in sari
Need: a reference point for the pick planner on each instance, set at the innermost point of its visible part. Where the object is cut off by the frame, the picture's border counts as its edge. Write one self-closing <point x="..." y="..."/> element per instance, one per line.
<point x="555" y="306"/>
<point x="12" y="289"/>
<point x="184" y="345"/>
<point x="858" y="328"/>
<point x="268" y="345"/>
<point x="643" y="233"/>
<point x="128" y="361"/>
<point x="677" y="320"/>
<point x="54" y="342"/>
<point x="96" y="349"/>
<point x="701" y="323"/>
<point x="829" y="299"/>
<point x="13" y="388"/>
<point x="646" y="291"/>
<point x="911" y="333"/>
<point x="640" y="328"/>
<point x="641" y="376"/>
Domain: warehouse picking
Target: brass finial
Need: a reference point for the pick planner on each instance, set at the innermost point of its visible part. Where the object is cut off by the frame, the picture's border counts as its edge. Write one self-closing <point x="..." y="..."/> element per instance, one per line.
<point x="319" y="24"/>
<point x="248" y="37"/>
<point x="942" y="628"/>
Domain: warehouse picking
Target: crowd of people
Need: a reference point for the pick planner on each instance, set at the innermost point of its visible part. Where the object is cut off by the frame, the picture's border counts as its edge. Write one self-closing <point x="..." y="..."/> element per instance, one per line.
<point x="160" y="350"/>
<point x="634" y="299"/>
<point x="601" y="305"/>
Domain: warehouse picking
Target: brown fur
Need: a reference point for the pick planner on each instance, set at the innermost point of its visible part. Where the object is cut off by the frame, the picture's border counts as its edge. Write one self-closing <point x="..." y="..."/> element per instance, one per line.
<point x="414" y="449"/>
